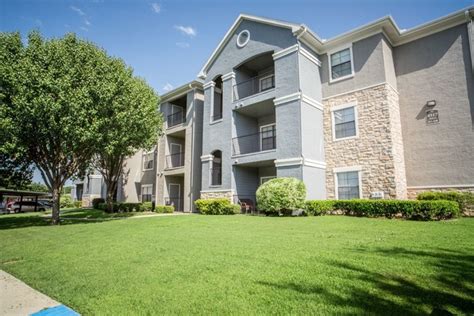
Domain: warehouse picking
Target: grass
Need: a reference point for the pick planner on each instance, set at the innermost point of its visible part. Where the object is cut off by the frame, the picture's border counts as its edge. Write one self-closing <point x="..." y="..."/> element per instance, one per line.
<point x="247" y="265"/>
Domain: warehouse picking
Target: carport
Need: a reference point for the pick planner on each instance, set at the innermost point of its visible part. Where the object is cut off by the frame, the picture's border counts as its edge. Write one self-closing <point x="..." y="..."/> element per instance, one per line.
<point x="22" y="194"/>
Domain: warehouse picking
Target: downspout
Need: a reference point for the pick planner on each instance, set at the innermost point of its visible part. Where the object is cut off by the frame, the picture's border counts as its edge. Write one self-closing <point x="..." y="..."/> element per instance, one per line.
<point x="191" y="176"/>
<point x="470" y="36"/>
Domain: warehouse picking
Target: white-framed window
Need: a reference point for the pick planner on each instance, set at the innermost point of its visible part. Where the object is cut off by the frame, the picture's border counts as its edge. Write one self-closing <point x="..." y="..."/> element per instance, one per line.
<point x="341" y="64"/>
<point x="348" y="184"/>
<point x="265" y="179"/>
<point x="217" y="100"/>
<point x="267" y="137"/>
<point x="344" y="121"/>
<point x="267" y="82"/>
<point x="147" y="192"/>
<point x="149" y="160"/>
<point x="243" y="38"/>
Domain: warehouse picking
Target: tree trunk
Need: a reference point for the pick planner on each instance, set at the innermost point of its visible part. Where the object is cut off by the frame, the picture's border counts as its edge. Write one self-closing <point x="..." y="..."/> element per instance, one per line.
<point x="56" y="196"/>
<point x="110" y="199"/>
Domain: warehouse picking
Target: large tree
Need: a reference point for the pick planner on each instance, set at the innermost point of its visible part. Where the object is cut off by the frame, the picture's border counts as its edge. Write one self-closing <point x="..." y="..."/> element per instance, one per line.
<point x="130" y="121"/>
<point x="54" y="94"/>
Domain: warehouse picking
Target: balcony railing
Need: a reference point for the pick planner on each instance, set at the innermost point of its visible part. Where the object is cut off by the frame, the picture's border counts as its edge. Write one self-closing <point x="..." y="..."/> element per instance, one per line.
<point x="177" y="202"/>
<point x="252" y="143"/>
<point x="175" y="160"/>
<point x="175" y="119"/>
<point x="254" y="85"/>
<point x="216" y="176"/>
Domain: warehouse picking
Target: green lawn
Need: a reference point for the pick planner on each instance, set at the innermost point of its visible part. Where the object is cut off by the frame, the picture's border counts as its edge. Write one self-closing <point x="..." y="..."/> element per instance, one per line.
<point x="247" y="265"/>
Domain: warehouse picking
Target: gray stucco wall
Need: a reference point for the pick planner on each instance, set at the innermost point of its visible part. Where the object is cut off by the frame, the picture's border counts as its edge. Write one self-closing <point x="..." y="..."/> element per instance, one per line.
<point x="438" y="68"/>
<point x="368" y="67"/>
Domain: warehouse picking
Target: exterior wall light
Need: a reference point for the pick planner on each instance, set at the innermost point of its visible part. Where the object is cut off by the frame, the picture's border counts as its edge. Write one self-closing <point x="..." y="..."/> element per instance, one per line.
<point x="431" y="103"/>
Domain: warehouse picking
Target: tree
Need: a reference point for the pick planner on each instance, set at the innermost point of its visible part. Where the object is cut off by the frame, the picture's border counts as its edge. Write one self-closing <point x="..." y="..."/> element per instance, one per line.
<point x="129" y="122"/>
<point x="15" y="173"/>
<point x="54" y="90"/>
<point x="38" y="187"/>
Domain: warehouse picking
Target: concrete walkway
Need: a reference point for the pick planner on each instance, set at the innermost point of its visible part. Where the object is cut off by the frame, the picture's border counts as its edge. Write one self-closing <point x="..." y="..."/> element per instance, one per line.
<point x="17" y="298"/>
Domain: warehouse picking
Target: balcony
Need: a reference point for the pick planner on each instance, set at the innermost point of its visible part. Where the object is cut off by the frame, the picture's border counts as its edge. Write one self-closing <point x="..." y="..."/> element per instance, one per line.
<point x="175" y="160"/>
<point x="175" y="119"/>
<point x="254" y="86"/>
<point x="254" y="143"/>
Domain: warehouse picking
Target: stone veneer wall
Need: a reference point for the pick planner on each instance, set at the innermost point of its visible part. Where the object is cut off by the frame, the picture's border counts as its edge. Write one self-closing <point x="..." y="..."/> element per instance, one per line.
<point x="413" y="192"/>
<point x="378" y="149"/>
<point x="218" y="195"/>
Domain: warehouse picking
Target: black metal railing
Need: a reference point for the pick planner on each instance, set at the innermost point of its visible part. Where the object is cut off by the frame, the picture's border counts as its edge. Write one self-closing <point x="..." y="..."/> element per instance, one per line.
<point x="251" y="143"/>
<point x="175" y="160"/>
<point x="248" y="203"/>
<point x="175" y="119"/>
<point x="254" y="85"/>
<point x="216" y="176"/>
<point x="177" y="202"/>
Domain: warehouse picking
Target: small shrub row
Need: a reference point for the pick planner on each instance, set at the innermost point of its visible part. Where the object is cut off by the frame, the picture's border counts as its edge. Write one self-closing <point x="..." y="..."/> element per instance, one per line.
<point x="137" y="207"/>
<point x="464" y="199"/>
<point x="281" y="196"/>
<point x="96" y="202"/>
<point x="216" y="207"/>
<point x="415" y="210"/>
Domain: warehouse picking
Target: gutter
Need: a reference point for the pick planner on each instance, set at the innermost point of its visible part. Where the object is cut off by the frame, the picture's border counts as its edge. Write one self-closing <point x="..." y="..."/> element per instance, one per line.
<point x="470" y="36"/>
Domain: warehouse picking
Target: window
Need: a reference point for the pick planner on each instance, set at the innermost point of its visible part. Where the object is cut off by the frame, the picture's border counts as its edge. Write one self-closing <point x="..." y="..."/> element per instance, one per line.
<point x="348" y="185"/>
<point x="341" y="64"/>
<point x="147" y="192"/>
<point x="148" y="160"/>
<point x="267" y="82"/>
<point x="344" y="121"/>
<point x="216" y="169"/>
<point x="243" y="38"/>
<point x="265" y="179"/>
<point x="217" y="106"/>
<point x="267" y="137"/>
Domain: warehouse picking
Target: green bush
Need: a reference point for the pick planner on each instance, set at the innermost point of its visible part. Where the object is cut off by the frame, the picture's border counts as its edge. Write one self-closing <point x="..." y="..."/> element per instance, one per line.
<point x="146" y="207"/>
<point x="315" y="207"/>
<point x="464" y="199"/>
<point x="217" y="207"/>
<point x="77" y="204"/>
<point x="281" y="196"/>
<point x="416" y="210"/>
<point x="129" y="207"/>
<point x="65" y="201"/>
<point x="96" y="202"/>
<point x="164" y="209"/>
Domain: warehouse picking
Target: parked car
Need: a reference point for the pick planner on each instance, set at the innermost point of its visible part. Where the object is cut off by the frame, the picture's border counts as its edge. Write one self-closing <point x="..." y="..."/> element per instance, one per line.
<point x="29" y="206"/>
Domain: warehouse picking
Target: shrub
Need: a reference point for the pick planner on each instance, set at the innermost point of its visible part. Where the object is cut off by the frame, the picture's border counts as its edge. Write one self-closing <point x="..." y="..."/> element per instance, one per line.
<point x="77" y="204"/>
<point x="281" y="196"/>
<point x="464" y="199"/>
<point x="65" y="201"/>
<point x="164" y="209"/>
<point x="129" y="207"/>
<point x="216" y="207"/>
<point x="318" y="207"/>
<point x="417" y="210"/>
<point x="96" y="202"/>
<point x="146" y="207"/>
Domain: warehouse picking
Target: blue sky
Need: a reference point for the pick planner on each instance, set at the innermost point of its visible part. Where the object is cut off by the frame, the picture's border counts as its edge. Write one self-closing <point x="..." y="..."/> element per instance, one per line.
<point x="167" y="42"/>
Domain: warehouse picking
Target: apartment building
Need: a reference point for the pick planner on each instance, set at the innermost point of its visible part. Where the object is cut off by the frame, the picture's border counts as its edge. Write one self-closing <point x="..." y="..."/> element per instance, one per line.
<point x="377" y="112"/>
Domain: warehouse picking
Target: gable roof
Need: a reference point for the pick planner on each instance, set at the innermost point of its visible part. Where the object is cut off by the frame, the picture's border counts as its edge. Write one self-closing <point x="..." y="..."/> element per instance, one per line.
<point x="386" y="25"/>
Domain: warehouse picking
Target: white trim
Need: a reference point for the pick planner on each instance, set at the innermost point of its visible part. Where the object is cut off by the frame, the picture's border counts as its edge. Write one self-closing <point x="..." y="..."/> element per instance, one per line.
<point x="230" y="75"/>
<point x="221" y="190"/>
<point x="209" y="84"/>
<point x="207" y="157"/>
<point x="95" y="176"/>
<point x="263" y="78"/>
<point x="144" y="154"/>
<point x="288" y="162"/>
<point x="335" y="51"/>
<point x="352" y="104"/>
<point x="266" y="177"/>
<point x="287" y="98"/>
<point x="312" y="102"/>
<point x="310" y="56"/>
<point x="241" y="45"/>
<point x="146" y="186"/>
<point x="347" y="169"/>
<point x="443" y="186"/>
<point x="273" y="130"/>
<point x="360" y="89"/>
<point x="252" y="154"/>
<point x="314" y="163"/>
<point x="176" y="144"/>
<point x="286" y="51"/>
<point x="216" y="121"/>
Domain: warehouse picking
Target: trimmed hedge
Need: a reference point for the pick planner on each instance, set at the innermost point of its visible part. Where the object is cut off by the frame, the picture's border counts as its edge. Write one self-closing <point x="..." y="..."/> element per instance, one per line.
<point x="464" y="199"/>
<point x="128" y="207"/>
<point x="281" y="196"/>
<point x="414" y="210"/>
<point x="96" y="202"/>
<point x="318" y="207"/>
<point x="217" y="207"/>
<point x="146" y="207"/>
<point x="164" y="209"/>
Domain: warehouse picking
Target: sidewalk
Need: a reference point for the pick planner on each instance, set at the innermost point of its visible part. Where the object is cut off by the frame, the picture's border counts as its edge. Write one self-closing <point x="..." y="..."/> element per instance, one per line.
<point x="17" y="298"/>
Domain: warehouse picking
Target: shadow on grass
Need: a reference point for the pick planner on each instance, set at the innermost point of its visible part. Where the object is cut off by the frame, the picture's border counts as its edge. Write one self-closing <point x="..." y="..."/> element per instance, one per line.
<point x="448" y="289"/>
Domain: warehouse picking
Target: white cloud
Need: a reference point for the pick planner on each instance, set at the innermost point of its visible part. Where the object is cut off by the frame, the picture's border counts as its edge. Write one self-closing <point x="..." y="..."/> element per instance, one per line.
<point x="87" y="22"/>
<point x="84" y="28"/>
<point x="187" y="30"/>
<point x="156" y="7"/>
<point x="167" y="87"/>
<point x="78" y="11"/>
<point x="182" y="44"/>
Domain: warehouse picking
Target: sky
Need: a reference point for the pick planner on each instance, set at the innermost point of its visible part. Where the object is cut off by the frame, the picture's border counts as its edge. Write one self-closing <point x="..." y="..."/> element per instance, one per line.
<point x="167" y="42"/>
